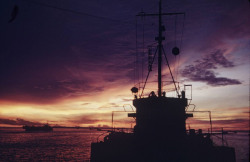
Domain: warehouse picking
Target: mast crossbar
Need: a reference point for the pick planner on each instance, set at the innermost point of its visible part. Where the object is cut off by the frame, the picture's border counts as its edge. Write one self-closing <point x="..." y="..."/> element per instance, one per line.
<point x="159" y="39"/>
<point x="176" y="13"/>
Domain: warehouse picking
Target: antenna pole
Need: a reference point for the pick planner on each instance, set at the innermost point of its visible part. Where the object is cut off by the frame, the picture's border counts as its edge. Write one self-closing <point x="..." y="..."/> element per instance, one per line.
<point x="159" y="39"/>
<point x="159" y="52"/>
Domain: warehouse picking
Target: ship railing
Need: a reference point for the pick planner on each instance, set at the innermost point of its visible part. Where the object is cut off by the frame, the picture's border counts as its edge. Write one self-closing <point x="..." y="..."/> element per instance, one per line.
<point x="97" y="139"/>
<point x="216" y="132"/>
<point x="167" y="88"/>
<point x="132" y="107"/>
<point x="220" y="133"/>
<point x="194" y="106"/>
<point x="210" y="131"/>
<point x="113" y="112"/>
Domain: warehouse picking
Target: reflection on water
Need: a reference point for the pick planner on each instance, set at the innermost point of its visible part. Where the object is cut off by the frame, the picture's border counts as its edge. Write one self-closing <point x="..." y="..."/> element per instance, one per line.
<point x="240" y="141"/>
<point x="59" y="145"/>
<point x="74" y="144"/>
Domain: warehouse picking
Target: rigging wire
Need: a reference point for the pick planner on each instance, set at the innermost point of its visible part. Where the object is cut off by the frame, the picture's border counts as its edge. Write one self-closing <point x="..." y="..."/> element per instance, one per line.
<point x="178" y="58"/>
<point x="175" y="31"/>
<point x="136" y="53"/>
<point x="137" y="71"/>
<point x="170" y="71"/>
<point x="175" y="28"/>
<point x="77" y="12"/>
<point x="182" y="31"/>
<point x="142" y="56"/>
<point x="175" y="71"/>
<point x="148" y="72"/>
<point x="140" y="50"/>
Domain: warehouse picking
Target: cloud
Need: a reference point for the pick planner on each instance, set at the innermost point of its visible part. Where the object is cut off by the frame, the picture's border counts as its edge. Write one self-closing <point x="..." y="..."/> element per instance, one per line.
<point x="202" y="70"/>
<point x="109" y="105"/>
<point x="221" y="25"/>
<point x="231" y="124"/>
<point x="18" y="121"/>
<point x="98" y="51"/>
<point x="97" y="118"/>
<point x="75" y="69"/>
<point x="90" y="118"/>
<point x="48" y="91"/>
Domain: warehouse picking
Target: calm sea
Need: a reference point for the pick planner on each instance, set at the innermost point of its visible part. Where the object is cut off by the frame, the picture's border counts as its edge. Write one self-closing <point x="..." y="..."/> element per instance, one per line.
<point x="74" y="145"/>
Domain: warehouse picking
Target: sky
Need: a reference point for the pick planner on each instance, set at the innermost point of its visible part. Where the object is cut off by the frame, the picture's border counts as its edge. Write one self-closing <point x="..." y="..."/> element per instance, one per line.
<point x="72" y="62"/>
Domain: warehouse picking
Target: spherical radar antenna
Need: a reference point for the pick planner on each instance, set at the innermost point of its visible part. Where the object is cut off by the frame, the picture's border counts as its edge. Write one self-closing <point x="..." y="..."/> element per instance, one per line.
<point x="134" y="90"/>
<point x="175" y="51"/>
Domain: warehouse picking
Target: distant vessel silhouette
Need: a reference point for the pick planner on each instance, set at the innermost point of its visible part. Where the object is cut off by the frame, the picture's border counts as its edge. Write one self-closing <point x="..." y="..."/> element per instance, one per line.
<point x="44" y="128"/>
<point x="160" y="133"/>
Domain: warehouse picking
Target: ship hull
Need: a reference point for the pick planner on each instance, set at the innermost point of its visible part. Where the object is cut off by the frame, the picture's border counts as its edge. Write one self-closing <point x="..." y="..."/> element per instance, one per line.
<point x="132" y="151"/>
<point x="44" y="128"/>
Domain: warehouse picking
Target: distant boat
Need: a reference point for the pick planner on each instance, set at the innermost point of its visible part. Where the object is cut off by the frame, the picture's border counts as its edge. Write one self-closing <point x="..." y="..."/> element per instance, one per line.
<point x="44" y="128"/>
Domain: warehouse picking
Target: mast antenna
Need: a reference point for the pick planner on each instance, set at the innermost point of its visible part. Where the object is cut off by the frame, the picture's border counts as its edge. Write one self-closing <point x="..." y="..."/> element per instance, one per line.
<point x="159" y="40"/>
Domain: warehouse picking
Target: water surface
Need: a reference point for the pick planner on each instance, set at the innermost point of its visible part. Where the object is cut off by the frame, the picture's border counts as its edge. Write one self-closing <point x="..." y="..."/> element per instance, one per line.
<point x="68" y="144"/>
<point x="59" y="145"/>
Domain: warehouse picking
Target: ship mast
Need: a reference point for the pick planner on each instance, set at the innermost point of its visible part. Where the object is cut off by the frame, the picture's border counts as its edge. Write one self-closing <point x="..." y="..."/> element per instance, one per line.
<point x="160" y="38"/>
<point x="160" y="49"/>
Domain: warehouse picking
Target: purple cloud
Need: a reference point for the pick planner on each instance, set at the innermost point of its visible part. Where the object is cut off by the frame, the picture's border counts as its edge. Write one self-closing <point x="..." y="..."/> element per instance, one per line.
<point x="202" y="70"/>
<point x="100" y="51"/>
<point x="18" y="121"/>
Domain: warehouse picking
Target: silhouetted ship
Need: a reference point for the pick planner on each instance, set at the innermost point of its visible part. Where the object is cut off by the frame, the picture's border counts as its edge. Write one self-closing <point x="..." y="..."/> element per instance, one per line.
<point x="44" y="128"/>
<point x="160" y="133"/>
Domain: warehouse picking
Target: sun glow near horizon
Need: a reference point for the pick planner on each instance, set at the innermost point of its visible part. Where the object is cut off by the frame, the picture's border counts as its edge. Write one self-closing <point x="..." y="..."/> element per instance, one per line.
<point x="76" y="72"/>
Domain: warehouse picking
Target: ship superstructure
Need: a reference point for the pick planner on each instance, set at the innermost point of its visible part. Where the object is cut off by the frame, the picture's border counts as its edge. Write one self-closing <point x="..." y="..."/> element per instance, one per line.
<point x="160" y="132"/>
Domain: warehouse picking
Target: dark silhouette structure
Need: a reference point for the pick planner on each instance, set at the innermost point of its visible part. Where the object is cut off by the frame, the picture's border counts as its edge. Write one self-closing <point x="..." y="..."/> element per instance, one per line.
<point x="160" y="133"/>
<point x="44" y="128"/>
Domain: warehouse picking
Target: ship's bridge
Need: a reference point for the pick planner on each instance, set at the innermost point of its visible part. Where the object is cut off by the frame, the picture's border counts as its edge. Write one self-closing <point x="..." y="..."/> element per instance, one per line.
<point x="160" y="116"/>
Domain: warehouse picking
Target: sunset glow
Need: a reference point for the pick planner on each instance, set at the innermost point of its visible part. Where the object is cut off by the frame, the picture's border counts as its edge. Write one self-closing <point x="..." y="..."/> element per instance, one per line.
<point x="72" y="69"/>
